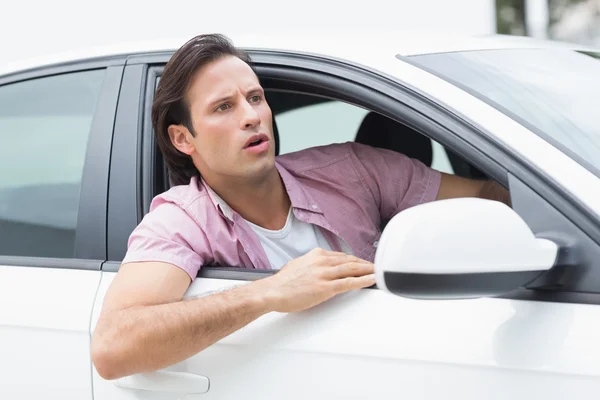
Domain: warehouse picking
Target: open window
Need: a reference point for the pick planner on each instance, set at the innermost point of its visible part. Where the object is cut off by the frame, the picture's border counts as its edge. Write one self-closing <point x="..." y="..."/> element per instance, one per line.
<point x="316" y="108"/>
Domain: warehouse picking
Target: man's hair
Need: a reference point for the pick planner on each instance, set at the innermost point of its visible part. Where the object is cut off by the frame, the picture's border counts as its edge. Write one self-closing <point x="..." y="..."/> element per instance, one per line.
<point x="170" y="106"/>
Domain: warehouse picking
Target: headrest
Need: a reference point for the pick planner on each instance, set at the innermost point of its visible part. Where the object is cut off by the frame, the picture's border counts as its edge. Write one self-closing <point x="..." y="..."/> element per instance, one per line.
<point x="383" y="132"/>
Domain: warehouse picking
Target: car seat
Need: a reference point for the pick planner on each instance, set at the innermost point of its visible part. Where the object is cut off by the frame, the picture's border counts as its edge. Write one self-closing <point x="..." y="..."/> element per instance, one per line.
<point x="379" y="131"/>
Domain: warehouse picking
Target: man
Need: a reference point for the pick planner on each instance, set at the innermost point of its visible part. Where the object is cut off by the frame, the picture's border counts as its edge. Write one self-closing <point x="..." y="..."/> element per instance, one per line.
<point x="315" y="214"/>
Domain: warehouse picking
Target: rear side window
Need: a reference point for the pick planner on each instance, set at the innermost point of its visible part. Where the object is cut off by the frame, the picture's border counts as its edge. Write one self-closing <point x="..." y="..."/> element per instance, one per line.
<point x="44" y="129"/>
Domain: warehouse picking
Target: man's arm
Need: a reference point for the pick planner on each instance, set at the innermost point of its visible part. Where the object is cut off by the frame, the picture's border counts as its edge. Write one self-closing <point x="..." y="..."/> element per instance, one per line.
<point x="452" y="186"/>
<point x="145" y="325"/>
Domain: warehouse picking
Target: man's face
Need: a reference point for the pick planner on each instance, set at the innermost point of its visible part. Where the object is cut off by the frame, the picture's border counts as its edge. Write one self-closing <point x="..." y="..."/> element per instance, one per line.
<point x="228" y="111"/>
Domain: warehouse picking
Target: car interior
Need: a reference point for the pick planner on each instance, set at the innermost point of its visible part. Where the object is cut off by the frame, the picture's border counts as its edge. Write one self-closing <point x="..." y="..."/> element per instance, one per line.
<point x="375" y="130"/>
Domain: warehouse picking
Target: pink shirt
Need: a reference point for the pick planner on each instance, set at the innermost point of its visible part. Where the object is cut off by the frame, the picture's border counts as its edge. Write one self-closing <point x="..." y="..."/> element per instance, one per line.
<point x="345" y="189"/>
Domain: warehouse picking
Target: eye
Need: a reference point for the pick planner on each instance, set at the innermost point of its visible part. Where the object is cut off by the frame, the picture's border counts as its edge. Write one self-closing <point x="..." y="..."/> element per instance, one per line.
<point x="255" y="99"/>
<point x="223" y="107"/>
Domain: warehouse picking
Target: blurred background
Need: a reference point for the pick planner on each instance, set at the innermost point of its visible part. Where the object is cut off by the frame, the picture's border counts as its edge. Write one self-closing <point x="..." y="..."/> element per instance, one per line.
<point x="37" y="27"/>
<point x="568" y="20"/>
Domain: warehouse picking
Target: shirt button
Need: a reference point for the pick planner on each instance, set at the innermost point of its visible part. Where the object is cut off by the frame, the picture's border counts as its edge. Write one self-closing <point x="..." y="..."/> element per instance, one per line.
<point x="376" y="243"/>
<point x="314" y="206"/>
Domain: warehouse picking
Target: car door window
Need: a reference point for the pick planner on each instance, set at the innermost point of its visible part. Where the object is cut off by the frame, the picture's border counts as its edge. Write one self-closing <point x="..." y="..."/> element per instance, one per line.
<point x="316" y="122"/>
<point x="44" y="129"/>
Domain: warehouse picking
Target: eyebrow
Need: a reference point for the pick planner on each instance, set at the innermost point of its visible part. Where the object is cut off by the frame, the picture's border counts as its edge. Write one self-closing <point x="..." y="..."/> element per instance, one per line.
<point x="220" y="100"/>
<point x="253" y="89"/>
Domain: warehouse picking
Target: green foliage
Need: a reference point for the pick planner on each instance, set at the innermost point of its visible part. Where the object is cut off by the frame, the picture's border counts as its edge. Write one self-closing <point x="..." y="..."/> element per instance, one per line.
<point x="510" y="17"/>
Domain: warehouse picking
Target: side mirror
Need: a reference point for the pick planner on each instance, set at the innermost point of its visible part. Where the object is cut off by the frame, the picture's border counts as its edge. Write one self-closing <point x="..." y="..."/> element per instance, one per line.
<point x="459" y="248"/>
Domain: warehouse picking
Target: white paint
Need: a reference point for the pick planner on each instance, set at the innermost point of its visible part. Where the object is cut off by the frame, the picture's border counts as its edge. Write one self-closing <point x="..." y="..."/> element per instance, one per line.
<point x="166" y="382"/>
<point x="354" y="46"/>
<point x="461" y="236"/>
<point x="44" y="333"/>
<point x="371" y="344"/>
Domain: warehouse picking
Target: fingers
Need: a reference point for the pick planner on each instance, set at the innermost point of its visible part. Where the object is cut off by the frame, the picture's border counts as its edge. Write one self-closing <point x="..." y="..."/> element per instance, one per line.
<point x="353" y="283"/>
<point x="333" y="261"/>
<point x="349" y="269"/>
<point x="333" y="257"/>
<point x="319" y="252"/>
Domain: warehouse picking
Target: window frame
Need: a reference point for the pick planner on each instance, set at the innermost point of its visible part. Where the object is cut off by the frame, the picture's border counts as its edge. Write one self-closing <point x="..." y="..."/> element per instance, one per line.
<point x="355" y="85"/>
<point x="90" y="233"/>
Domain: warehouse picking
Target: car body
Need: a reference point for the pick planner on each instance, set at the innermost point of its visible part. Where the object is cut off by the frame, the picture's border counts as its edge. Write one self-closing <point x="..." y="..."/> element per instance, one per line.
<point x="80" y="168"/>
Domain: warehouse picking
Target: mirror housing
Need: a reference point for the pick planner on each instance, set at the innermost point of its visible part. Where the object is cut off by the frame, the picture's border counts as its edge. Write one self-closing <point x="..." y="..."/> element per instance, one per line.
<point x="459" y="248"/>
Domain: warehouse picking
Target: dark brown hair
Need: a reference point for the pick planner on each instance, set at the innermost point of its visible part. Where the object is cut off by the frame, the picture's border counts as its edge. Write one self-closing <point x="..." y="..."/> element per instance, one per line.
<point x="169" y="105"/>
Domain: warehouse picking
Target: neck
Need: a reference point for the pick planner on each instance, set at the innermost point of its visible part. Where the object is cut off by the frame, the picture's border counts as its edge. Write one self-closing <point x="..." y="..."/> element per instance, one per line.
<point x="263" y="202"/>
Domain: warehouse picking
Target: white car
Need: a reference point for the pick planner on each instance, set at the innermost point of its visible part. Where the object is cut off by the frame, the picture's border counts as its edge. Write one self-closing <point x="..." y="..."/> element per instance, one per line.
<point x="474" y="300"/>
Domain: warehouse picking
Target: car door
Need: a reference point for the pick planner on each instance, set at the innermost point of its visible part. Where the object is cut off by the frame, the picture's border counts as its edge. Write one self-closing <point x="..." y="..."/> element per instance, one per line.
<point x="55" y="133"/>
<point x="536" y="342"/>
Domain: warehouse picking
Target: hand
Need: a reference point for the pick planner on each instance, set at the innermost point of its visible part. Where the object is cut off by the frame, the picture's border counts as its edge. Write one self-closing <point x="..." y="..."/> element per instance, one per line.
<point x="314" y="278"/>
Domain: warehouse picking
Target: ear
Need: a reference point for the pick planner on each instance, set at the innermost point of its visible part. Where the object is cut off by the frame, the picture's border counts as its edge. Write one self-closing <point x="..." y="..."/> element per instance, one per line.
<point x="180" y="136"/>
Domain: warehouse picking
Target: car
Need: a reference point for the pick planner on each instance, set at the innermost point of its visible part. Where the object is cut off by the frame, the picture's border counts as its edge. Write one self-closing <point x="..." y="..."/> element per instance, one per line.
<point x="473" y="300"/>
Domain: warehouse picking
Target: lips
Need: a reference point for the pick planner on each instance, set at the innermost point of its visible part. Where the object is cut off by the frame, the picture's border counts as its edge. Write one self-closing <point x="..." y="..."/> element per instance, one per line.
<point x="256" y="140"/>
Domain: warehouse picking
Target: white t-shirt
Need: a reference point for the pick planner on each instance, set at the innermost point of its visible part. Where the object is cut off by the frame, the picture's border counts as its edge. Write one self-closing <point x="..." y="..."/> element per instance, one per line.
<point x="295" y="239"/>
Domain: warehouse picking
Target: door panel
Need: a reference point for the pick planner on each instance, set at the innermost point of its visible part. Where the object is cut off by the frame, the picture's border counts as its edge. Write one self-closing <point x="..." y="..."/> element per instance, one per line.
<point x="371" y="344"/>
<point x="44" y="335"/>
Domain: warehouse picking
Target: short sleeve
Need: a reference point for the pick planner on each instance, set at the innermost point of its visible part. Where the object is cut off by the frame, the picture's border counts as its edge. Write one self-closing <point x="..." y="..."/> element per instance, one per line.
<point x="396" y="181"/>
<point x="168" y="234"/>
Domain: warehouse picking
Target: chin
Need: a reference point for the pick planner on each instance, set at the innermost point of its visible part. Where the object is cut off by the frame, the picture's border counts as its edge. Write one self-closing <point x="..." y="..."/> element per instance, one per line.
<point x="261" y="168"/>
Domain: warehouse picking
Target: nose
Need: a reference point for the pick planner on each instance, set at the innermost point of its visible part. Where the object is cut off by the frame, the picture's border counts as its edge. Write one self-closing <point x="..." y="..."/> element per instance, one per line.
<point x="250" y="117"/>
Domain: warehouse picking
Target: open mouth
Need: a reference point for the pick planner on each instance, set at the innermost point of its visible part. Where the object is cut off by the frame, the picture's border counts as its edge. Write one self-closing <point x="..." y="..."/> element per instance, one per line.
<point x="255" y="143"/>
<point x="256" y="140"/>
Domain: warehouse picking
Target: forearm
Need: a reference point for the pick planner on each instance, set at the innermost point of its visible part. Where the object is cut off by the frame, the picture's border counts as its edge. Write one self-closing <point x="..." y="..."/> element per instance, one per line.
<point x="492" y="190"/>
<point x="148" y="338"/>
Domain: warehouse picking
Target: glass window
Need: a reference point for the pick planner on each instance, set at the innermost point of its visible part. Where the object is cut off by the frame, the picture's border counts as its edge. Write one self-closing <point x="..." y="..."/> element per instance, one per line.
<point x="330" y="122"/>
<point x="318" y="124"/>
<point x="44" y="129"/>
<point x="555" y="92"/>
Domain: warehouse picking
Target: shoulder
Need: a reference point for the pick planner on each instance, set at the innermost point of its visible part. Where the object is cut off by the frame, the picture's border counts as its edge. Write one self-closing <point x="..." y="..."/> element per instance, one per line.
<point x="183" y="202"/>
<point x="173" y="231"/>
<point x="321" y="156"/>
<point x="183" y="196"/>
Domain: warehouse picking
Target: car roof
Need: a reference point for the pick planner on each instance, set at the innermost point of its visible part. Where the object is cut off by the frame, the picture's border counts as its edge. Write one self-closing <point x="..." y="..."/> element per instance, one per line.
<point x="360" y="47"/>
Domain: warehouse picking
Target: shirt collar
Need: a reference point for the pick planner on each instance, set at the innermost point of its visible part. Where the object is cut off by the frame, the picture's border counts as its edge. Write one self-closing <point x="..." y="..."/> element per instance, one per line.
<point x="218" y="202"/>
<point x="297" y="193"/>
